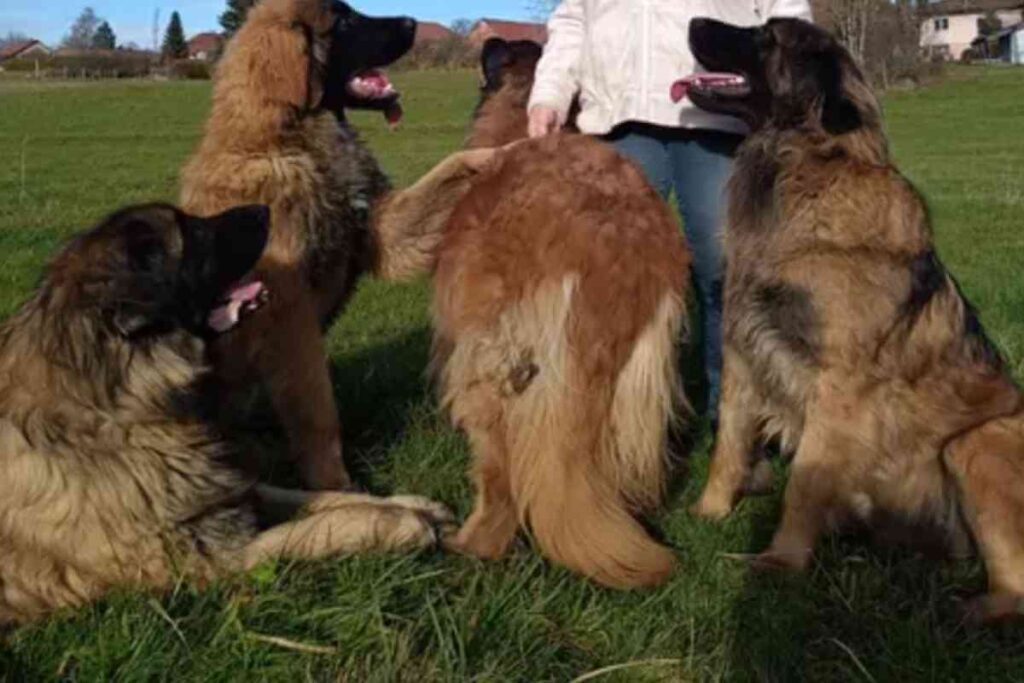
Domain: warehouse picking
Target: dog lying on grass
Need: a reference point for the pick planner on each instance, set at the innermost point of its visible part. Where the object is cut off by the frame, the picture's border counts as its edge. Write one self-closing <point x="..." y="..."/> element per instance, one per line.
<point x="558" y="299"/>
<point x="111" y="473"/>
<point x="844" y="334"/>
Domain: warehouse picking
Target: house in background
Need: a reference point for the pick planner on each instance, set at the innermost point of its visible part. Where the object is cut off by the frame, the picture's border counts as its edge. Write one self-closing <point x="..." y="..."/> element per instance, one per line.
<point x="950" y="26"/>
<point x="432" y="32"/>
<point x="205" y="47"/>
<point x="1005" y="45"/>
<point x="24" y="49"/>
<point x="508" y="30"/>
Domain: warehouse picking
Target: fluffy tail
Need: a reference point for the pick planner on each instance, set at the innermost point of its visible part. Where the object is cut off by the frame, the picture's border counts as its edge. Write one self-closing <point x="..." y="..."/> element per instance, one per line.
<point x="587" y="451"/>
<point x="408" y="225"/>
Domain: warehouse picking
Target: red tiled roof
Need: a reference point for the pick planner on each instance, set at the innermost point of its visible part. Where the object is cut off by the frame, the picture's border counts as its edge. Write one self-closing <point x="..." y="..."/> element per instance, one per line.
<point x="16" y="48"/>
<point x="204" y="42"/>
<point x="509" y="30"/>
<point x="429" y="31"/>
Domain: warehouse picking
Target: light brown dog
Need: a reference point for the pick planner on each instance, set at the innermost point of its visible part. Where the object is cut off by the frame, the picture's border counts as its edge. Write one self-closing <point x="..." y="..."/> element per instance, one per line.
<point x="558" y="297"/>
<point x="277" y="135"/>
<point x="111" y="473"/>
<point x="844" y="334"/>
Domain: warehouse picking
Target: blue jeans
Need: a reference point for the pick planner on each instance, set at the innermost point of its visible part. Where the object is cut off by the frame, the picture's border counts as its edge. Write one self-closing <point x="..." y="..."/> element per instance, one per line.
<point x="696" y="164"/>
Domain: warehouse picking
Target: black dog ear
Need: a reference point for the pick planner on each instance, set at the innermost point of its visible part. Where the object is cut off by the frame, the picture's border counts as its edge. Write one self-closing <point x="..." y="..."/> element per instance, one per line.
<point x="839" y="114"/>
<point x="496" y="55"/>
<point x="144" y="280"/>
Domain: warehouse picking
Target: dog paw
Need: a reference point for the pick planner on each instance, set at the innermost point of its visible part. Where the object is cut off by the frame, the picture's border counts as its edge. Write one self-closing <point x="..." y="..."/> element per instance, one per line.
<point x="761" y="479"/>
<point x="436" y="511"/>
<point x="477" y="545"/>
<point x="711" y="509"/>
<point x="777" y="560"/>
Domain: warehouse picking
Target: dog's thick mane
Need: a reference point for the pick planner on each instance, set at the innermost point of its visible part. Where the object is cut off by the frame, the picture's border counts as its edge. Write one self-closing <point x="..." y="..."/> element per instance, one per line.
<point x="57" y="358"/>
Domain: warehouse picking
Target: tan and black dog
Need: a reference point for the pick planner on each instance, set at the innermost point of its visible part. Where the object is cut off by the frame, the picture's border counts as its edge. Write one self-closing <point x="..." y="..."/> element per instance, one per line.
<point x="277" y="135"/>
<point x="111" y="472"/>
<point x="844" y="334"/>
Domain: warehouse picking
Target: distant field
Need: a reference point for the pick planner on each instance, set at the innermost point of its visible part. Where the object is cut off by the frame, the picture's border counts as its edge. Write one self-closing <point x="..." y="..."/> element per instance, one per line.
<point x="69" y="153"/>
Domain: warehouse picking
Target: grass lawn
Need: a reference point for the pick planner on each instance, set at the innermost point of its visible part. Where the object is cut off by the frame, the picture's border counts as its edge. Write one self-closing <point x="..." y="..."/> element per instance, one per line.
<point x="72" y="152"/>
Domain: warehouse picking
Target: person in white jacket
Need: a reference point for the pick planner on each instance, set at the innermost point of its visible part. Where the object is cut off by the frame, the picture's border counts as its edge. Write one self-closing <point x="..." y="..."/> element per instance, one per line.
<point x="621" y="57"/>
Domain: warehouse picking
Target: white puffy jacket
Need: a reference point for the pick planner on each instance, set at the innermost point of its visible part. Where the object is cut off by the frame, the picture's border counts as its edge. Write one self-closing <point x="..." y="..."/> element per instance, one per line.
<point x="622" y="57"/>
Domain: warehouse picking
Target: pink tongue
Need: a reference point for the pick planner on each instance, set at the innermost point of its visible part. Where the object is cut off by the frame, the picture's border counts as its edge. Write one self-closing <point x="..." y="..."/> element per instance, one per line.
<point x="393" y="114"/>
<point x="245" y="292"/>
<point x="376" y="78"/>
<point x="223" y="318"/>
<point x="681" y="88"/>
<point x="228" y="314"/>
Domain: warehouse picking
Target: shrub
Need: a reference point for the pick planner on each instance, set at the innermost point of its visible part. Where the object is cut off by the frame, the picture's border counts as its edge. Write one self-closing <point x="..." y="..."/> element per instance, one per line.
<point x="191" y="70"/>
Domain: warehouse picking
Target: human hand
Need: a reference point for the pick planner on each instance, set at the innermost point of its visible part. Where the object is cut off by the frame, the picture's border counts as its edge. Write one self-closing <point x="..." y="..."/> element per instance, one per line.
<point x="543" y="121"/>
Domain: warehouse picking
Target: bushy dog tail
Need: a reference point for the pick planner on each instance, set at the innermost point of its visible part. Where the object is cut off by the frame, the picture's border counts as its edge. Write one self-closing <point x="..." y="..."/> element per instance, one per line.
<point x="408" y="225"/>
<point x="587" y="451"/>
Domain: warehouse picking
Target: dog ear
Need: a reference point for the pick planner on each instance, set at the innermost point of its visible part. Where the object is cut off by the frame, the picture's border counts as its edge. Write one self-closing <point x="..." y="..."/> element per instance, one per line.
<point x="145" y="269"/>
<point x="496" y="55"/>
<point x="283" y="64"/>
<point x="839" y="114"/>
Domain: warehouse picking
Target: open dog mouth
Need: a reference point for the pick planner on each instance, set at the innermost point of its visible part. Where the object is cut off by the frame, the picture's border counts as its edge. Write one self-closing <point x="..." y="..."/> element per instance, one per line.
<point x="711" y="84"/>
<point x="241" y="300"/>
<point x="373" y="90"/>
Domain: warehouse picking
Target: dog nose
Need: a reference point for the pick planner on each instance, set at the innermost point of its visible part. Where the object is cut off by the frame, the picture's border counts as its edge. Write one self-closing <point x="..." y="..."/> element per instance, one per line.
<point x="409" y="24"/>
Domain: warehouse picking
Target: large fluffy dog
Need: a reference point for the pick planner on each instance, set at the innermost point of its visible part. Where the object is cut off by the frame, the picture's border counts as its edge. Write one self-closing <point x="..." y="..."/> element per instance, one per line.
<point x="844" y="334"/>
<point x="277" y="135"/>
<point x="559" y="294"/>
<point x="109" y="472"/>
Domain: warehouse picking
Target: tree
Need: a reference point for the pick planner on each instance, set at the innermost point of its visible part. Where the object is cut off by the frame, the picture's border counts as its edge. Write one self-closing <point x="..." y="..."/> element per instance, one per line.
<point x="12" y="37"/>
<point x="542" y="9"/>
<point x="989" y="23"/>
<point x="234" y="16"/>
<point x="461" y="27"/>
<point x="174" y="46"/>
<point x="104" y="38"/>
<point x="82" y="31"/>
<point x="819" y="9"/>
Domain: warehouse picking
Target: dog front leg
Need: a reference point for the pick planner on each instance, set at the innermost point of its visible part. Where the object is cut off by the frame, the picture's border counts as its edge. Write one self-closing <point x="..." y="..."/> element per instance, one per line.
<point x="329" y="524"/>
<point x="293" y="364"/>
<point x="734" y="443"/>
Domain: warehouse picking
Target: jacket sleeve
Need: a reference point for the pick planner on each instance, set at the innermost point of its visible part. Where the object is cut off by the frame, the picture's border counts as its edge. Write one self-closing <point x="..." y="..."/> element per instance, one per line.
<point x="557" y="76"/>
<point x="799" y="9"/>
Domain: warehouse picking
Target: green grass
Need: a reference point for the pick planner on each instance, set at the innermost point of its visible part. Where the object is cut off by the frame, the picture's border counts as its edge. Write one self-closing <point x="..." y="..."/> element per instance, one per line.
<point x="71" y="153"/>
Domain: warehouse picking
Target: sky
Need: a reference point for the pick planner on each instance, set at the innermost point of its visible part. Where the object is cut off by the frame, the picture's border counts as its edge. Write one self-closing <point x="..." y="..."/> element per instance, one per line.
<point x="132" y="20"/>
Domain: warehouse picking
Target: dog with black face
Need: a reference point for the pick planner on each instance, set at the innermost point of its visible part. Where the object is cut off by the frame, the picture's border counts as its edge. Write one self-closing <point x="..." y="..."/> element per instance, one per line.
<point x="110" y="472"/>
<point x="278" y="135"/>
<point x="506" y="78"/>
<point x="844" y="334"/>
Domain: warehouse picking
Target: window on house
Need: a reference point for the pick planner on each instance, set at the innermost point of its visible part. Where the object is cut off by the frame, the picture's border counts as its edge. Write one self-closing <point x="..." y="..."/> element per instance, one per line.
<point x="942" y="24"/>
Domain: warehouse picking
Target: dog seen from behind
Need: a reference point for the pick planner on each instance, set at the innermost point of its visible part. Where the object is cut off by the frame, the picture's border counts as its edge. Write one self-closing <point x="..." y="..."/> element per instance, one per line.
<point x="558" y="299"/>
<point x="111" y="473"/>
<point x="277" y="134"/>
<point x="844" y="334"/>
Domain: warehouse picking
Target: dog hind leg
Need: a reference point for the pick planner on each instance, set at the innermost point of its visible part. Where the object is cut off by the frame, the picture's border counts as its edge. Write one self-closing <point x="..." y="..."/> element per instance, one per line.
<point x="988" y="466"/>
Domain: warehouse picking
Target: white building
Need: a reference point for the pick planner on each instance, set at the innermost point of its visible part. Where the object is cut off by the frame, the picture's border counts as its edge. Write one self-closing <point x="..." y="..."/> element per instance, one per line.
<point x="950" y="26"/>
